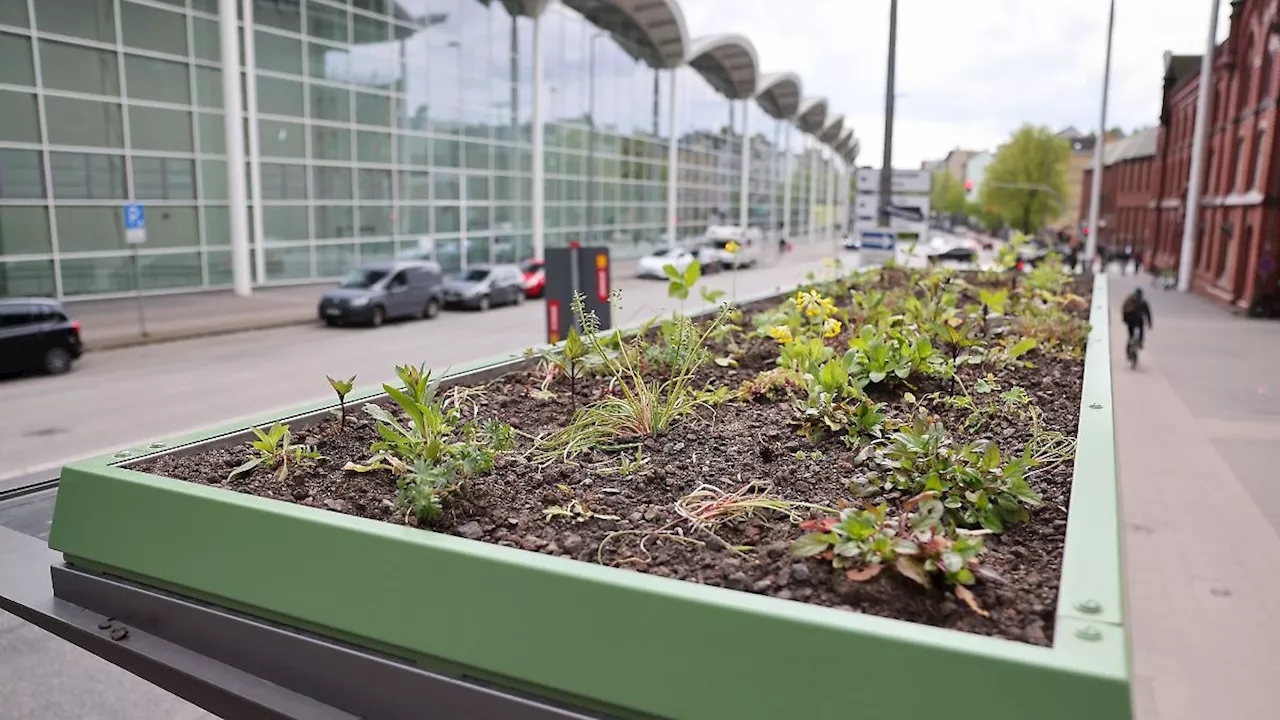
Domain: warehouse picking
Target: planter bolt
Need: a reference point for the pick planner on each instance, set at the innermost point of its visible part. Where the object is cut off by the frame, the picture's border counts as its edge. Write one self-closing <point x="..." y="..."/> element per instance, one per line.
<point x="1096" y="406"/>
<point x="1089" y="633"/>
<point x="123" y="454"/>
<point x="1093" y="607"/>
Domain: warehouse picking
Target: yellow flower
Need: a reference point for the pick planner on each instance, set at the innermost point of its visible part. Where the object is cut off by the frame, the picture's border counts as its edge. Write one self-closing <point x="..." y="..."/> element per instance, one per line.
<point x="732" y="247"/>
<point x="781" y="333"/>
<point x="812" y="304"/>
<point x="831" y="328"/>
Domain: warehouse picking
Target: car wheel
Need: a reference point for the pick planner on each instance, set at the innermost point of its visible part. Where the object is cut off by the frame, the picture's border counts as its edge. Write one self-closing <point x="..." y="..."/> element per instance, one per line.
<point x="483" y="303"/>
<point x="432" y="309"/>
<point x="57" y="360"/>
<point x="379" y="316"/>
<point x="519" y="298"/>
<point x="331" y="322"/>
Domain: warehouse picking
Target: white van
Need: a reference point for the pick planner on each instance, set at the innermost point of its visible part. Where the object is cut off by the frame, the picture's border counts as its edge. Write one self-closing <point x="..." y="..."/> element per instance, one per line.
<point x="750" y="244"/>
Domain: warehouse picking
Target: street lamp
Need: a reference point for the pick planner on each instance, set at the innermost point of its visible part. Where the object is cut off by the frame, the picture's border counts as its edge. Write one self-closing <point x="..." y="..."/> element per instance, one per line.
<point x="461" y="120"/>
<point x="1201" y="129"/>
<point x="1095" y="195"/>
<point x="591" y="136"/>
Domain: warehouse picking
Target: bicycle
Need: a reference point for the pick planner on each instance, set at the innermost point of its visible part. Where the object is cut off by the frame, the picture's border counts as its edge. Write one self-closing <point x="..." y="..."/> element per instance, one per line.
<point x="1131" y="351"/>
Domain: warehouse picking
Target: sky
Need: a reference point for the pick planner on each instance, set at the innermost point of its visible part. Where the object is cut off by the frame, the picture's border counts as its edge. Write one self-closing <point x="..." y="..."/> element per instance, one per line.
<point x="969" y="72"/>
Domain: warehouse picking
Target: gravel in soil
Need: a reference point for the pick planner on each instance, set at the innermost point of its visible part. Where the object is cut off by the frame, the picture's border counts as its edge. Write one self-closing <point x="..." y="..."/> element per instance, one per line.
<point x="631" y="519"/>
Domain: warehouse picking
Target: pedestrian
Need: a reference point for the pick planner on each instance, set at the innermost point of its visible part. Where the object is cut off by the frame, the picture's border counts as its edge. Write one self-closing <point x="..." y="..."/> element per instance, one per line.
<point x="1137" y="262"/>
<point x="1137" y="316"/>
<point x="782" y="241"/>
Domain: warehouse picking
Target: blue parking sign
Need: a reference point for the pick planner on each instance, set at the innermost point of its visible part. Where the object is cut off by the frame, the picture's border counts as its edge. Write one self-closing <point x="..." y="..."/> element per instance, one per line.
<point x="135" y="224"/>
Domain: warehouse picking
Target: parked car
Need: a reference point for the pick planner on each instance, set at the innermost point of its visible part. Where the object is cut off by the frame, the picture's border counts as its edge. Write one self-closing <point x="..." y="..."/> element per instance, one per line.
<point x="36" y="334"/>
<point x="650" y="266"/>
<point x="484" y="286"/>
<point x="957" y="249"/>
<point x="718" y="238"/>
<point x="385" y="290"/>
<point x="535" y="278"/>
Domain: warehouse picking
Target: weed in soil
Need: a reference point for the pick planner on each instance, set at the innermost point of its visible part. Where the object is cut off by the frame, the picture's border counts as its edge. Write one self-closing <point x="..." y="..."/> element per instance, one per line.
<point x="894" y="442"/>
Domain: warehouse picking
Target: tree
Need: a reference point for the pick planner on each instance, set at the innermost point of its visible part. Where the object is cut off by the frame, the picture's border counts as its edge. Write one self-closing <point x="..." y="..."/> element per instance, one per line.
<point x="948" y="196"/>
<point x="1026" y="184"/>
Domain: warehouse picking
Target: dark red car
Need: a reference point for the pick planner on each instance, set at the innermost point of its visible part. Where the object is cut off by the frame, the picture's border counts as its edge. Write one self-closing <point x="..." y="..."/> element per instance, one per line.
<point x="535" y="278"/>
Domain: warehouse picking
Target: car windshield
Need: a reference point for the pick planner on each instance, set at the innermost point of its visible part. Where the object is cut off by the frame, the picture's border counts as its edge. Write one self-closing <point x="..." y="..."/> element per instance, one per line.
<point x="531" y="266"/>
<point x="473" y="275"/>
<point x="363" y="279"/>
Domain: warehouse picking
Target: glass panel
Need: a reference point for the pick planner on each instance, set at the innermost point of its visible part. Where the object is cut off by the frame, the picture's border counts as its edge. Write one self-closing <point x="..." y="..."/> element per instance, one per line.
<point x="477" y="251"/>
<point x="84" y="122"/>
<point x="82" y="176"/>
<point x="365" y="29"/>
<point x="373" y="109"/>
<point x="21" y="117"/>
<point x="208" y="88"/>
<point x="415" y="185"/>
<point x="504" y="249"/>
<point x="90" y="228"/>
<point x="219" y="265"/>
<point x="159" y="129"/>
<point x="153" y="28"/>
<point x="24" y="231"/>
<point x="375" y="184"/>
<point x="170" y="271"/>
<point x="448" y="186"/>
<point x="477" y="188"/>
<point x="21" y="175"/>
<point x="91" y="19"/>
<point x="283" y="15"/>
<point x="164" y="179"/>
<point x="213" y="179"/>
<point x="280" y="97"/>
<point x="477" y="155"/>
<point x="97" y="275"/>
<point x="326" y="22"/>
<point x="80" y="69"/>
<point x="291" y="263"/>
<point x="284" y="182"/>
<point x="331" y="183"/>
<point x="335" y="260"/>
<point x="217" y="226"/>
<point x="414" y="219"/>
<point x="206" y="41"/>
<point x="168" y="226"/>
<point x="330" y="103"/>
<point x="477" y="218"/>
<point x="14" y="12"/>
<point x="31" y="278"/>
<point x="284" y="223"/>
<point x="213" y="135"/>
<point x="329" y="143"/>
<point x="160" y="80"/>
<point x="278" y="53"/>
<point x="446" y="153"/>
<point x="373" y="147"/>
<point x="449" y="254"/>
<point x="281" y="139"/>
<point x="377" y="251"/>
<point x="447" y="219"/>
<point x="15" y="60"/>
<point x="334" y="221"/>
<point x="328" y="63"/>
<point x="375" y="220"/>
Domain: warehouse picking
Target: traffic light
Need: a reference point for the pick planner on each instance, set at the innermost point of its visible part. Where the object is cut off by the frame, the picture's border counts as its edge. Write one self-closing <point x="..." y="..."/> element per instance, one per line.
<point x="968" y="186"/>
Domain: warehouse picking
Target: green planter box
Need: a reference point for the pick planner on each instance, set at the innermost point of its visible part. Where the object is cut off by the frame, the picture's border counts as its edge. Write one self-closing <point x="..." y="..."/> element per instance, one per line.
<point x="625" y="643"/>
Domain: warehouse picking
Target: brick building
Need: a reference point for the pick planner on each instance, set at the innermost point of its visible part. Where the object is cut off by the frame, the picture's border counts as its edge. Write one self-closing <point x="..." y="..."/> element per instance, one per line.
<point x="1237" y="250"/>
<point x="1124" y="216"/>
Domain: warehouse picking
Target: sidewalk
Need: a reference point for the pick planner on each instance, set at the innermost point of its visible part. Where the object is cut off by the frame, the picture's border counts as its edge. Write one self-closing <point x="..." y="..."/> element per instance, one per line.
<point x="110" y="324"/>
<point x="1198" y="439"/>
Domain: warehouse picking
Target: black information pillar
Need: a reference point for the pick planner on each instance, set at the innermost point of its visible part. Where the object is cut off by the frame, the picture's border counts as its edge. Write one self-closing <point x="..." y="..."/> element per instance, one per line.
<point x="576" y="269"/>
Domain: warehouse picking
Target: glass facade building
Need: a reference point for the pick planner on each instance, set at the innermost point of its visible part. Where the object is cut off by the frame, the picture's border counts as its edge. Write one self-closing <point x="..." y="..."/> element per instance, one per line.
<point x="371" y="128"/>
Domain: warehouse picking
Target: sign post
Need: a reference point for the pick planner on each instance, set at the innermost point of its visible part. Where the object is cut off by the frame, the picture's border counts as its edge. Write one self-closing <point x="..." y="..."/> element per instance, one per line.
<point x="135" y="234"/>
<point x="574" y="270"/>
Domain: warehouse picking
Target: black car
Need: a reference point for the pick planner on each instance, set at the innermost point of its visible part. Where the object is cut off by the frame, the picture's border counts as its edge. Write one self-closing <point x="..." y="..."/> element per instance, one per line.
<point x="484" y="286"/>
<point x="386" y="290"/>
<point x="37" y="334"/>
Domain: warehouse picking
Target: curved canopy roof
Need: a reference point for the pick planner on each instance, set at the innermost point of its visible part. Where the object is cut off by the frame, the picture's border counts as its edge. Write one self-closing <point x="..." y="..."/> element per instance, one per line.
<point x="812" y="114"/>
<point x="832" y="130"/>
<point x="846" y="137"/>
<point x="652" y="31"/>
<point x="852" y="154"/>
<point x="779" y="95"/>
<point x="727" y="63"/>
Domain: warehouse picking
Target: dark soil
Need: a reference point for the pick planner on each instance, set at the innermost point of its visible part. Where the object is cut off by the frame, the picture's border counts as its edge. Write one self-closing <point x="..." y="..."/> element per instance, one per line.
<point x="739" y="442"/>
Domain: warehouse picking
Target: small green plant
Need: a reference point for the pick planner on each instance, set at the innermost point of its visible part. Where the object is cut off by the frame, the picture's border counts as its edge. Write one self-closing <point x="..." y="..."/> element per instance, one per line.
<point x="342" y="388"/>
<point x="571" y="360"/>
<point x="994" y="301"/>
<point x="574" y="510"/>
<point x="709" y="296"/>
<point x="681" y="283"/>
<point x="774" y="384"/>
<point x="275" y="449"/>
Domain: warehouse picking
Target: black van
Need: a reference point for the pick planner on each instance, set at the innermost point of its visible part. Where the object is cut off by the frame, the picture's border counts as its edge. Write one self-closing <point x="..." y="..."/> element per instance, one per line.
<point x="37" y="334"/>
<point x="385" y="290"/>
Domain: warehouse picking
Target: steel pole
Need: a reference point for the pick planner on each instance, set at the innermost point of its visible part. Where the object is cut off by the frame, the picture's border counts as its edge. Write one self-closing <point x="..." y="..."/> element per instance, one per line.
<point x="591" y="139"/>
<point x="538" y="190"/>
<point x="786" y="183"/>
<point x="1095" y="194"/>
<point x="229" y="36"/>
<point x="673" y="172"/>
<point x="1191" y="222"/>
<point x="744" y="188"/>
<point x="886" y="167"/>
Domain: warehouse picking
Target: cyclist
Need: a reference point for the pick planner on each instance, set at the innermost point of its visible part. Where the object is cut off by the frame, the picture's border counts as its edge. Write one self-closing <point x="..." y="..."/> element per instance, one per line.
<point x="1137" y="316"/>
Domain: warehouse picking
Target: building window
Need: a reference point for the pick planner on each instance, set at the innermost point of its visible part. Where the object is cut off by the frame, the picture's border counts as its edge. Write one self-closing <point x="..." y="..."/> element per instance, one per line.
<point x="1259" y="162"/>
<point x="1241" y="166"/>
